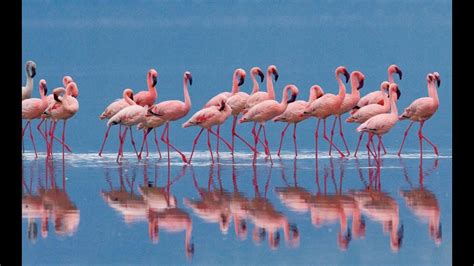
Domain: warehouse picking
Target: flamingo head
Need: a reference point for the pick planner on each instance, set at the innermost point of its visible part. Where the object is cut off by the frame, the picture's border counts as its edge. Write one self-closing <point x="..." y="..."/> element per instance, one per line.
<point x="395" y="69"/>
<point x="153" y="75"/>
<point x="257" y="71"/>
<point x="437" y="77"/>
<point x="343" y="70"/>
<point x="43" y="88"/>
<point x="67" y="80"/>
<point x="359" y="77"/>
<point x="272" y="70"/>
<point x="31" y="69"/>
<point x="72" y="90"/>
<point x="385" y="85"/>
<point x="188" y="76"/>
<point x="128" y="93"/>
<point x="394" y="87"/>
<point x="294" y="92"/>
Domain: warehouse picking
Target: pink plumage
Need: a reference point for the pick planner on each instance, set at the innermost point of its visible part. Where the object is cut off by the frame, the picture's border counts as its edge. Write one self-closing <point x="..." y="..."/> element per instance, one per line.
<point x="143" y="98"/>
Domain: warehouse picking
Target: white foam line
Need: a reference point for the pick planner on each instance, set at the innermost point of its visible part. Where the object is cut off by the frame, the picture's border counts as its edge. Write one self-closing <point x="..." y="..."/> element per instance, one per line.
<point x="202" y="158"/>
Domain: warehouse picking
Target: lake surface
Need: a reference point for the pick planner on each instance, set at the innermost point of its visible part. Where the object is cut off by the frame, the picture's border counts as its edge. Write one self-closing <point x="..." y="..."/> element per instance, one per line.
<point x="90" y="210"/>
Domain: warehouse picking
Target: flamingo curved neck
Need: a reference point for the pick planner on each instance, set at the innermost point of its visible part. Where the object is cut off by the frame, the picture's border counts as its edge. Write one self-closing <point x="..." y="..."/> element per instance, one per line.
<point x="393" y="104"/>
<point x="354" y="87"/>
<point x="151" y="88"/>
<point x="128" y="100"/>
<point x="255" y="87"/>
<point x="187" y="99"/>
<point x="235" y="86"/>
<point x="390" y="75"/>
<point x="270" y="89"/>
<point x="342" y="87"/>
<point x="432" y="92"/>
<point x="312" y="94"/>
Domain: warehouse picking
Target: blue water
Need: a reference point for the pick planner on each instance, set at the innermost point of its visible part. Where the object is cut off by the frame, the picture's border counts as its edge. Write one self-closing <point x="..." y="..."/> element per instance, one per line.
<point x="108" y="46"/>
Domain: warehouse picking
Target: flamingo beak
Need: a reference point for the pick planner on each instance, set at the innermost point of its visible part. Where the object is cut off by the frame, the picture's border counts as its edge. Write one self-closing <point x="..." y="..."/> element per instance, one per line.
<point x="45" y="89"/>
<point x="399" y="72"/>
<point x="241" y="81"/>
<point x="275" y="74"/>
<point x="154" y="81"/>
<point x="190" y="78"/>
<point x="56" y="98"/>
<point x="260" y="73"/>
<point x="33" y="72"/>
<point x="131" y="96"/>
<point x="398" y="94"/>
<point x="438" y="81"/>
<point x="346" y="74"/>
<point x="293" y="98"/>
<point x="361" y="84"/>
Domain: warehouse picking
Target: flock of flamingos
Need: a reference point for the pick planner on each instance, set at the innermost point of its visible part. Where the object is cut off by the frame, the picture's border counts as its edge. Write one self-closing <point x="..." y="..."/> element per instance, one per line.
<point x="376" y="112"/>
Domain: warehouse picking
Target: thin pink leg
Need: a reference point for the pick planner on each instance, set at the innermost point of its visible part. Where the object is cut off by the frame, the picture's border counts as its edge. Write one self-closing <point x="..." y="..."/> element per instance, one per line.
<point x="358" y="143"/>
<point x="31" y="137"/>
<point x="64" y="135"/>
<point x="168" y="143"/>
<point x="332" y="134"/>
<point x="194" y="145"/>
<point x="266" y="144"/>
<point x="234" y="133"/>
<point x="23" y="136"/>
<point x="281" y="138"/>
<point x="294" y="140"/>
<point x="209" y="144"/>
<point x="217" y="141"/>
<point x="146" y="145"/>
<point x="257" y="135"/>
<point x="51" y="134"/>
<point x="405" y="136"/>
<point x="145" y="134"/>
<point x="316" y="133"/>
<point x="122" y="140"/>
<point x="420" y="136"/>
<point x="327" y="139"/>
<point x="378" y="149"/>
<point x="219" y="137"/>
<point x="384" y="150"/>
<point x="254" y="133"/>
<point x="341" y="133"/>
<point x="369" y="151"/>
<point x="168" y="146"/>
<point x="157" y="144"/>
<point x="133" y="144"/>
<point x="429" y="142"/>
<point x="39" y="129"/>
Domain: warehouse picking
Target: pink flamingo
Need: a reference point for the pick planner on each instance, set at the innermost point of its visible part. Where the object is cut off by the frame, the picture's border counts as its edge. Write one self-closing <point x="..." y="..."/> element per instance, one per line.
<point x="328" y="105"/>
<point x="293" y="114"/>
<point x="237" y="103"/>
<point x="172" y="111"/>
<point x="27" y="90"/>
<point x="206" y="118"/>
<point x="378" y="96"/>
<point x="113" y="109"/>
<point x="74" y="92"/>
<point x="143" y="98"/>
<point x="128" y="116"/>
<point x="216" y="100"/>
<point x="33" y="108"/>
<point x="364" y="113"/>
<point x="267" y="110"/>
<point x="382" y="123"/>
<point x="350" y="101"/>
<point x="260" y="96"/>
<point x="421" y="110"/>
<point x="63" y="109"/>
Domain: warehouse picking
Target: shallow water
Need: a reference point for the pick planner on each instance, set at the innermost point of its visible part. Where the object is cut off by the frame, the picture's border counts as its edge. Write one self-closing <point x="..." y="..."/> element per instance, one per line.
<point x="94" y="211"/>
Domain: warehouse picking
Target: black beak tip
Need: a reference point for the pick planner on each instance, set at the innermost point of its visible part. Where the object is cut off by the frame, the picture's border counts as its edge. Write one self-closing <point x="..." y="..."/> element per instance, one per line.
<point x="361" y="84"/>
<point x="190" y="80"/>
<point x="276" y="75"/>
<point x="346" y="74"/>
<point x="154" y="81"/>
<point x="439" y="82"/>
<point x="400" y="74"/>
<point x="131" y="96"/>
<point x="398" y="94"/>
<point x="241" y="81"/>
<point x="260" y="73"/>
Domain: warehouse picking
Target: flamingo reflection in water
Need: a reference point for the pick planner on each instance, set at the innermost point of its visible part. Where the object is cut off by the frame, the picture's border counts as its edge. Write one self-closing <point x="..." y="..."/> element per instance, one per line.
<point x="213" y="205"/>
<point x="267" y="219"/>
<point x="49" y="202"/>
<point x="380" y="207"/>
<point x="423" y="203"/>
<point x="239" y="206"/>
<point x="164" y="213"/>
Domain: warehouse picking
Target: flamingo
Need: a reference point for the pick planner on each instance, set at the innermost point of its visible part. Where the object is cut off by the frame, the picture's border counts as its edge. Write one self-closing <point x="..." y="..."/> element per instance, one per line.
<point x="206" y="118"/>
<point x="113" y="109"/>
<point x="223" y="96"/>
<point x="237" y="103"/>
<point x="267" y="110"/>
<point x="377" y="96"/>
<point x="33" y="108"/>
<point x="293" y="114"/>
<point x="74" y="92"/>
<point x="260" y="96"/>
<point x="128" y="116"/>
<point x="382" y="123"/>
<point x="328" y="105"/>
<point x="364" y="113"/>
<point x="172" y="111"/>
<point x="422" y="109"/>
<point x="143" y="98"/>
<point x="62" y="109"/>
<point x="350" y="100"/>
<point x="27" y="90"/>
